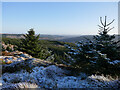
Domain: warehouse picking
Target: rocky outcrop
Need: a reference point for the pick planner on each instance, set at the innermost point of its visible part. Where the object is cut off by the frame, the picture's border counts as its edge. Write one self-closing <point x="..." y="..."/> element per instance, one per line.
<point x="20" y="61"/>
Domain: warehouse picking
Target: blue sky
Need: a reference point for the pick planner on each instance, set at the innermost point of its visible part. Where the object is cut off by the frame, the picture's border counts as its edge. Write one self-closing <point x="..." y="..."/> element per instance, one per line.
<point x="68" y="18"/>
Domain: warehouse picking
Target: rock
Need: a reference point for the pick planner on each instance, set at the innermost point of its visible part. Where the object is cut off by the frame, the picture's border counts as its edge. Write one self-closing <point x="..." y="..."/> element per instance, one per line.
<point x="18" y="56"/>
<point x="20" y="52"/>
<point x="17" y="52"/>
<point x="25" y="56"/>
<point x="8" y="61"/>
<point x="19" y="60"/>
<point x="14" y="58"/>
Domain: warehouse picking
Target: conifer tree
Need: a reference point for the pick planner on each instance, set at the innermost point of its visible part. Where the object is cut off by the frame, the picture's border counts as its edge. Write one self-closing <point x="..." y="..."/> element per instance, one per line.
<point x="105" y="42"/>
<point x="30" y="44"/>
<point x="99" y="55"/>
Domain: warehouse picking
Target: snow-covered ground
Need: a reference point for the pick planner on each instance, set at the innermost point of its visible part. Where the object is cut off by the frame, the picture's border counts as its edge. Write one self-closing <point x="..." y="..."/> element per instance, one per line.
<point x="44" y="74"/>
<point x="55" y="77"/>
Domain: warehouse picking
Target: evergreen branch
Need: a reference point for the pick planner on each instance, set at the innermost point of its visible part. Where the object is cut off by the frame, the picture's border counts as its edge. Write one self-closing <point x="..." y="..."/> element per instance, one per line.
<point x="116" y="42"/>
<point x="118" y="47"/>
<point x="87" y="39"/>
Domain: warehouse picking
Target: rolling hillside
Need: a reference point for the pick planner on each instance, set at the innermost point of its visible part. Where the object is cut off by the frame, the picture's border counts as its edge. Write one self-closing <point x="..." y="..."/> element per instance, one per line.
<point x="63" y="38"/>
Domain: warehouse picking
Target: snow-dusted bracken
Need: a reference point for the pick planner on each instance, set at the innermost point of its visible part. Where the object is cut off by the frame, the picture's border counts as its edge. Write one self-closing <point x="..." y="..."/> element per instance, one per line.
<point x="19" y="86"/>
<point x="115" y="62"/>
<point x="55" y="77"/>
<point x="103" y="78"/>
<point x="16" y="77"/>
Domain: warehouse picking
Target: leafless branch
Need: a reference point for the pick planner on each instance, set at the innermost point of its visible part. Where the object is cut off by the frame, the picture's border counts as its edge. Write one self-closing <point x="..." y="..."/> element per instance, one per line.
<point x="110" y="29"/>
<point x="100" y="26"/>
<point x="99" y="31"/>
<point x="105" y="21"/>
<point x="104" y="25"/>
<point x="101" y="21"/>
<point x="110" y="22"/>
<point x="107" y="28"/>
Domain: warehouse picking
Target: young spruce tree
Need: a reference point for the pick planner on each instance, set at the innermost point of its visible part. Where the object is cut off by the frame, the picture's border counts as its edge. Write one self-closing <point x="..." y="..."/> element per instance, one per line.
<point x="30" y="44"/>
<point x="106" y="43"/>
<point x="99" y="55"/>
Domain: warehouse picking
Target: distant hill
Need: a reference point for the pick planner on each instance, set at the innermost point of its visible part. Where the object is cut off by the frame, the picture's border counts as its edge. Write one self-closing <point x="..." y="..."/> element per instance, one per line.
<point x="76" y="39"/>
<point x="42" y="36"/>
<point x="84" y="38"/>
<point x="64" y="38"/>
<point x="12" y="35"/>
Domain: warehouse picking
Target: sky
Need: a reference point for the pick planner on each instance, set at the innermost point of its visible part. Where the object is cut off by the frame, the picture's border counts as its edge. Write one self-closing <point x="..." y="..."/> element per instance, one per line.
<point x="57" y="18"/>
